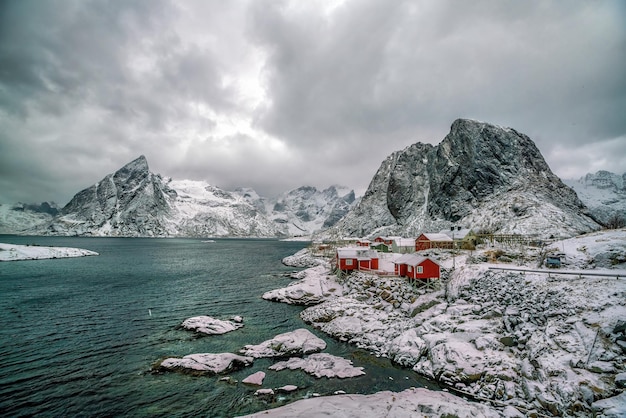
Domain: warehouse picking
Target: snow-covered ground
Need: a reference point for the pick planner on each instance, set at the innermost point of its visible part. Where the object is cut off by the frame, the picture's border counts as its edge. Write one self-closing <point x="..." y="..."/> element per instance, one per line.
<point x="14" y="252"/>
<point x="527" y="342"/>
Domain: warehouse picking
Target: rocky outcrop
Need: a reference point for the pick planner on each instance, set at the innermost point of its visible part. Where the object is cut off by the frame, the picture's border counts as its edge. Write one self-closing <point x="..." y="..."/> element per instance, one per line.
<point x="481" y="176"/>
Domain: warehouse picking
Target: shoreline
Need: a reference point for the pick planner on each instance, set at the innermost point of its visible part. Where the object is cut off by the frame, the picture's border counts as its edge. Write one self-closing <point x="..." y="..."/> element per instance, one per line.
<point x="16" y="252"/>
<point x="528" y="343"/>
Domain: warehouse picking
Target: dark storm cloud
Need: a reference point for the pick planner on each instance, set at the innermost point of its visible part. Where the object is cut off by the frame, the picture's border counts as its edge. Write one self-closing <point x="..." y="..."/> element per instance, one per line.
<point x="403" y="66"/>
<point x="279" y="94"/>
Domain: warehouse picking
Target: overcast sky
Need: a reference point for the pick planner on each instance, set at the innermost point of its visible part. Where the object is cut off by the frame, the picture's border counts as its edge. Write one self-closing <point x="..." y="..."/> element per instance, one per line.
<point x="278" y="94"/>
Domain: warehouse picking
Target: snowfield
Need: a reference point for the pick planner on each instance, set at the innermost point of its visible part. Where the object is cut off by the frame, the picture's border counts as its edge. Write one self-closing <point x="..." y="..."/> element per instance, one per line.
<point x="527" y="342"/>
<point x="14" y="252"/>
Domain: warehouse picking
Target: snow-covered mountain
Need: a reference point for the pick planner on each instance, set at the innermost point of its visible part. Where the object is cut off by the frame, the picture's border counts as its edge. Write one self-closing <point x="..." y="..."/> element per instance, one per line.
<point x="604" y="193"/>
<point x="14" y="218"/>
<point x="133" y="201"/>
<point x="481" y="176"/>
<point x="136" y="202"/>
<point x="305" y="210"/>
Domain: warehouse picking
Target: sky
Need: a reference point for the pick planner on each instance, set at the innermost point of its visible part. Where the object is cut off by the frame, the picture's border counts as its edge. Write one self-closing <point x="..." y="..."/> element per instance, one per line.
<point x="275" y="95"/>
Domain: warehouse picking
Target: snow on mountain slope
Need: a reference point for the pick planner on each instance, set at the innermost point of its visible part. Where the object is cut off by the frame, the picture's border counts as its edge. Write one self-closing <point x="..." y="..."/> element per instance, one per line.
<point x="136" y="202"/>
<point x="481" y="176"/>
<point x="604" y="193"/>
<point x="305" y="210"/>
<point x="20" y="216"/>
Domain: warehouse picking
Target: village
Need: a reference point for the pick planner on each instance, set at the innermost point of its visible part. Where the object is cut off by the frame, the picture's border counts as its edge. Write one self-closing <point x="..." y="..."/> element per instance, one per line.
<point x="420" y="260"/>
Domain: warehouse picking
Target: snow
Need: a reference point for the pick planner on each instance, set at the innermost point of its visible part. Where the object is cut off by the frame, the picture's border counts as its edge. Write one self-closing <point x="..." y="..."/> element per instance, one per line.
<point x="408" y="403"/>
<point x="14" y="252"/>
<point x="316" y="285"/>
<point x="210" y="326"/>
<point x="321" y="365"/>
<point x="528" y="340"/>
<point x="298" y="342"/>
<point x="255" y="379"/>
<point x="207" y="362"/>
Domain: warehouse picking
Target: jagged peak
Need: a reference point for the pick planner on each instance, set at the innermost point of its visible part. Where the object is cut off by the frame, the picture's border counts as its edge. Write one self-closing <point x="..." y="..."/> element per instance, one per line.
<point x="138" y="165"/>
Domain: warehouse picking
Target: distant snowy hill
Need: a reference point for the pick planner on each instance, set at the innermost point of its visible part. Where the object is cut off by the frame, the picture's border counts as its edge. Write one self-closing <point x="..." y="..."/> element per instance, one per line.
<point x="305" y="210"/>
<point x="604" y="193"/>
<point x="480" y="176"/>
<point x="136" y="202"/>
<point x="14" y="218"/>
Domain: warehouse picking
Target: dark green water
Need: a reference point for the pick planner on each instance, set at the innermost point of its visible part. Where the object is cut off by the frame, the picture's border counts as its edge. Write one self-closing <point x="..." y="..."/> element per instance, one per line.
<point x="78" y="336"/>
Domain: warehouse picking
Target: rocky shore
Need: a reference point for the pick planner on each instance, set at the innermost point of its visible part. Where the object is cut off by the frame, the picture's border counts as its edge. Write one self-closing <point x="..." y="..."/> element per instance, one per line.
<point x="529" y="344"/>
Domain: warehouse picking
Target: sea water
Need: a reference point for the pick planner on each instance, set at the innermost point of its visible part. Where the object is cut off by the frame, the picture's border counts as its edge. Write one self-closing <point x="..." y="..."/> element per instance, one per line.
<point x="80" y="336"/>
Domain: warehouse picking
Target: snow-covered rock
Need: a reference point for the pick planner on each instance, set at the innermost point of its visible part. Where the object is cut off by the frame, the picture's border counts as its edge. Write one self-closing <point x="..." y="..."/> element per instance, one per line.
<point x="255" y="379"/>
<point x="294" y="343"/>
<point x="321" y="365"/>
<point x="316" y="286"/>
<point x="408" y="403"/>
<point x="207" y="363"/>
<point x="14" y="252"/>
<point x="552" y="343"/>
<point x="302" y="258"/>
<point x="211" y="326"/>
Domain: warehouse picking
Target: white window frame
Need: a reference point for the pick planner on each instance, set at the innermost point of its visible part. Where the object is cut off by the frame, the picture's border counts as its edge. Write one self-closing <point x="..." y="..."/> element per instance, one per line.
<point x="349" y="262"/>
<point x="420" y="269"/>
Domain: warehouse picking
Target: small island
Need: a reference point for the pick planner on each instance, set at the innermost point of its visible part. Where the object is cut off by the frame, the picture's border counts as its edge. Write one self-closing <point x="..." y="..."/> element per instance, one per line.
<point x="15" y="252"/>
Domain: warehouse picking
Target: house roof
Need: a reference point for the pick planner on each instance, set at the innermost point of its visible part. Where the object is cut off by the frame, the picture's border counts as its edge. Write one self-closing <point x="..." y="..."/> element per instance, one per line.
<point x="437" y="237"/>
<point x="405" y="242"/>
<point x="412" y="260"/>
<point x="458" y="233"/>
<point x="358" y="253"/>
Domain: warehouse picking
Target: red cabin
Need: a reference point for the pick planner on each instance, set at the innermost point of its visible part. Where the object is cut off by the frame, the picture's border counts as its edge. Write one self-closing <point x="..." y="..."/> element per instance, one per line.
<point x="356" y="258"/>
<point x="428" y="241"/>
<point x="414" y="266"/>
<point x="385" y="240"/>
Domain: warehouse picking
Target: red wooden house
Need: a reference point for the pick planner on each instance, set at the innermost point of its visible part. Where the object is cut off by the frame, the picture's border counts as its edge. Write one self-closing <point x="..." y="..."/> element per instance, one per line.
<point x="427" y="241"/>
<point x="385" y="240"/>
<point x="416" y="267"/>
<point x="364" y="243"/>
<point x="356" y="258"/>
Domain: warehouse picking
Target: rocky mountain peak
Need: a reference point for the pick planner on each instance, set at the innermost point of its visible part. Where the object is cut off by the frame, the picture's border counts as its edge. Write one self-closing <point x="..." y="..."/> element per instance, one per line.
<point x="481" y="175"/>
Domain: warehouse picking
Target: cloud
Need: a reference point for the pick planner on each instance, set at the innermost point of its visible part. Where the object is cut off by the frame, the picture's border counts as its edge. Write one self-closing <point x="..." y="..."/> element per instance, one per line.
<point x="276" y="95"/>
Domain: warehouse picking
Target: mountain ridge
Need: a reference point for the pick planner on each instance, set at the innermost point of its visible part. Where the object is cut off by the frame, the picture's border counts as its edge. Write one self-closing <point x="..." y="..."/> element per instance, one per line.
<point x="133" y="201"/>
<point x="481" y="175"/>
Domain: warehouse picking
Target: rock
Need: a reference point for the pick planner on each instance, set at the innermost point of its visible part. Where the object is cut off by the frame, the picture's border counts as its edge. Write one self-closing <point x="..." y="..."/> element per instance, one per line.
<point x="210" y="326"/>
<point x="268" y="393"/>
<point x="288" y="388"/>
<point x="407" y="348"/>
<point x="620" y="327"/>
<point x="207" y="363"/>
<point x="408" y="403"/>
<point x="614" y="407"/>
<point x="298" y="342"/>
<point x="601" y="367"/>
<point x="254" y="379"/>
<point x="620" y="380"/>
<point x="321" y="365"/>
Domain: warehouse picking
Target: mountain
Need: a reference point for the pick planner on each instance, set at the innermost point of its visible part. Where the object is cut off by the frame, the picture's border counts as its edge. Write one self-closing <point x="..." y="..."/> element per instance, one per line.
<point x="306" y="210"/>
<point x="136" y="202"/>
<point x="482" y="176"/>
<point x="14" y="218"/>
<point x="133" y="201"/>
<point x="604" y="193"/>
